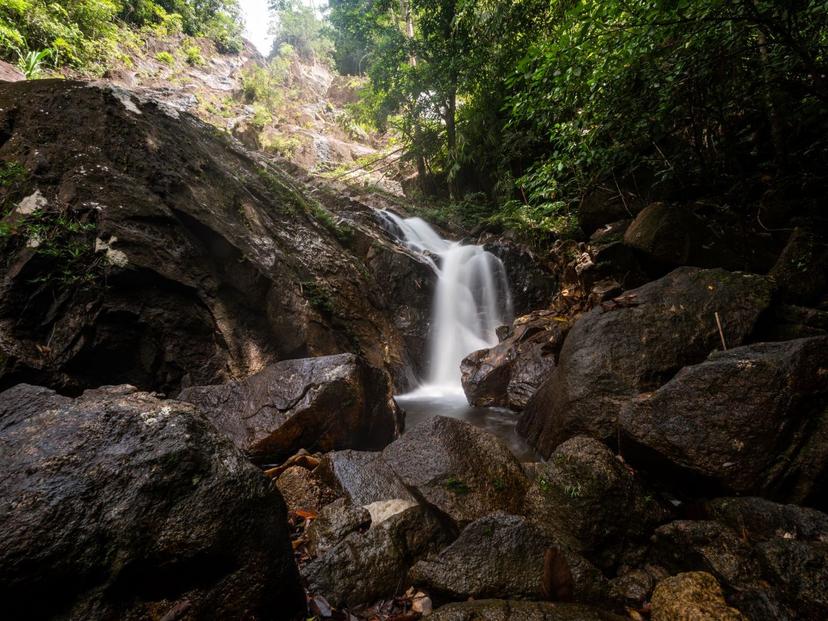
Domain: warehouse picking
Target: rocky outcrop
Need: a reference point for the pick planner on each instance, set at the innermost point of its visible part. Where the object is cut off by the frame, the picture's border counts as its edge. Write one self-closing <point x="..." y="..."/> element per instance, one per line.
<point x="693" y="595"/>
<point x="801" y="271"/>
<point x="634" y="344"/>
<point x="750" y="419"/>
<point x="509" y="373"/>
<point x="591" y="501"/>
<point x="462" y="471"/>
<point x="120" y="505"/>
<point x="669" y="235"/>
<point x="603" y="206"/>
<point x="318" y="404"/>
<point x="147" y="248"/>
<point x="531" y="282"/>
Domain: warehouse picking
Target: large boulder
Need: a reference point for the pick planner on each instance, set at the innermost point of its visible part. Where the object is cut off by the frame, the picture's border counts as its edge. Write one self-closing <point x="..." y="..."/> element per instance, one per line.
<point x="634" y="344"/>
<point x="362" y="476"/>
<point x="669" y="235"/>
<point x="751" y="419"/>
<point x="802" y="268"/>
<point x="464" y="472"/>
<point x="119" y="505"/>
<point x="169" y="256"/>
<point x="319" y="404"/>
<point x="504" y="555"/>
<point x="532" y="283"/>
<point x="592" y="501"/>
<point x="509" y="373"/>
<point x="692" y="596"/>
<point x="506" y="610"/>
<point x="604" y="206"/>
<point x="760" y="519"/>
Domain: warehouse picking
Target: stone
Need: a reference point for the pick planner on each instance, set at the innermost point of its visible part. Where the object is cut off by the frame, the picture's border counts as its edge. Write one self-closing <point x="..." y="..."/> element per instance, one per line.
<point x="799" y="572"/>
<point x="751" y="420"/>
<point x="117" y="504"/>
<point x="603" y="206"/>
<point x="760" y="519"/>
<point x="669" y="235"/>
<point x="319" y="404"/>
<point x="363" y="477"/>
<point x="462" y="471"/>
<point x="690" y="545"/>
<point x="509" y="373"/>
<point x="366" y="566"/>
<point x="692" y="596"/>
<point x="801" y="271"/>
<point x="502" y="555"/>
<point x="592" y="501"/>
<point x="335" y="522"/>
<point x="303" y="491"/>
<point x="634" y="344"/>
<point x="505" y="610"/>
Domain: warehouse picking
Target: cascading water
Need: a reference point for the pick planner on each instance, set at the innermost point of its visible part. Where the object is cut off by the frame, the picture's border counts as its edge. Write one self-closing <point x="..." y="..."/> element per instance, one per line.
<point x="472" y="299"/>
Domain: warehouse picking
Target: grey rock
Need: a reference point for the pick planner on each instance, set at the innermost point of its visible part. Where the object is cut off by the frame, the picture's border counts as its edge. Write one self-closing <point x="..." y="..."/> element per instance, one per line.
<point x="364" y="477"/>
<point x="120" y="505"/>
<point x="751" y="419"/>
<point x="636" y="343"/>
<point x="462" y="471"/>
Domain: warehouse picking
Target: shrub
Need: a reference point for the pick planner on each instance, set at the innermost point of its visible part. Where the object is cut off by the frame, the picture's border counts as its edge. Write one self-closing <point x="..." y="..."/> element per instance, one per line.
<point x="165" y="57"/>
<point x="192" y="54"/>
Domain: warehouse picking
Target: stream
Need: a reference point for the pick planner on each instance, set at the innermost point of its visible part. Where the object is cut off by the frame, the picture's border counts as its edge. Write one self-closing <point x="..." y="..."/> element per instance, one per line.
<point x="471" y="300"/>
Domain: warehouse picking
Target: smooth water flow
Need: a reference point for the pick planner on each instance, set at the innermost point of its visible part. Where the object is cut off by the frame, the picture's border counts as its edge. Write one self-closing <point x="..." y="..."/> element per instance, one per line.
<point x="472" y="299"/>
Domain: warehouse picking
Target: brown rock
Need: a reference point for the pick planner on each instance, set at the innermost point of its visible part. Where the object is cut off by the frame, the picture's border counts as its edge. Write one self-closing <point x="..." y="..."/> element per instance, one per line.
<point x="319" y="404"/>
<point x="693" y="596"/>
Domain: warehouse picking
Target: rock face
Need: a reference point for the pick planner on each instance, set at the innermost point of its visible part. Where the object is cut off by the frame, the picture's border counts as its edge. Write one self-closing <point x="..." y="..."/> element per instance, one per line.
<point x="509" y="373"/>
<point x="751" y="419"/>
<point x="531" y="282"/>
<point x="169" y="257"/>
<point x="692" y="596"/>
<point x="118" y="505"/>
<point x="318" y="404"/>
<point x="591" y="501"/>
<point x="634" y="344"/>
<point x="762" y="519"/>
<point x="462" y="471"/>
<point x="802" y="268"/>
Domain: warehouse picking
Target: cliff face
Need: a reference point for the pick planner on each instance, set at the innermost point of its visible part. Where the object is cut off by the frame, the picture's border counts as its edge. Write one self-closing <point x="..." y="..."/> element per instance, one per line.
<point x="140" y="245"/>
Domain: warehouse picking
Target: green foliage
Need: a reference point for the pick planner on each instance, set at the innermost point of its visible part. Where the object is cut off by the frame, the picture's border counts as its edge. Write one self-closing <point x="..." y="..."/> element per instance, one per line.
<point x="192" y="54"/>
<point x="456" y="486"/>
<point x="298" y="25"/>
<point x="534" y="103"/>
<point x="12" y="173"/>
<point x="165" y="57"/>
<point x="86" y="33"/>
<point x="318" y="297"/>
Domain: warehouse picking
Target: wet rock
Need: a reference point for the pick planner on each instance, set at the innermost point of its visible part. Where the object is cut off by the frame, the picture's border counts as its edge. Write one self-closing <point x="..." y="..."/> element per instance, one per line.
<point x="586" y="496"/>
<point x="503" y="555"/>
<point x="603" y="206"/>
<point x="799" y="572"/>
<point x="692" y="596"/>
<point x="335" y="522"/>
<point x="669" y="235"/>
<point x="532" y="284"/>
<point x="319" y="404"/>
<point x="509" y="373"/>
<point x="462" y="471"/>
<point x="635" y="587"/>
<point x="634" y="344"/>
<point x="363" y="477"/>
<point x="504" y="610"/>
<point x="749" y="418"/>
<point x="802" y="269"/>
<point x="707" y="546"/>
<point x="366" y="566"/>
<point x="195" y="263"/>
<point x="760" y="519"/>
<point x="120" y="505"/>
<point x="303" y="491"/>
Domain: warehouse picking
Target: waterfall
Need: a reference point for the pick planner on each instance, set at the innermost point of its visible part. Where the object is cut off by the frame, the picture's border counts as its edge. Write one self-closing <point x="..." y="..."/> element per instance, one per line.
<point x="471" y="300"/>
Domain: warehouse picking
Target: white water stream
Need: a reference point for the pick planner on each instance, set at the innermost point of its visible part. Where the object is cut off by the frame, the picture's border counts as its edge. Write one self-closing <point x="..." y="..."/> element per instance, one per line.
<point x="472" y="299"/>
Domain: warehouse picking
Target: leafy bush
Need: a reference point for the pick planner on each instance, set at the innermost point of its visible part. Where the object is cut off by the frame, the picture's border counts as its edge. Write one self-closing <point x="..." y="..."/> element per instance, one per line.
<point x="192" y="54"/>
<point x="165" y="57"/>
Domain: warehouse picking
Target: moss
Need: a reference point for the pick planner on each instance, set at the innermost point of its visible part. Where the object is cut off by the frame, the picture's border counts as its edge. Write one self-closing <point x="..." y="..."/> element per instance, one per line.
<point x="318" y="297"/>
<point x="456" y="486"/>
<point x="12" y="173"/>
